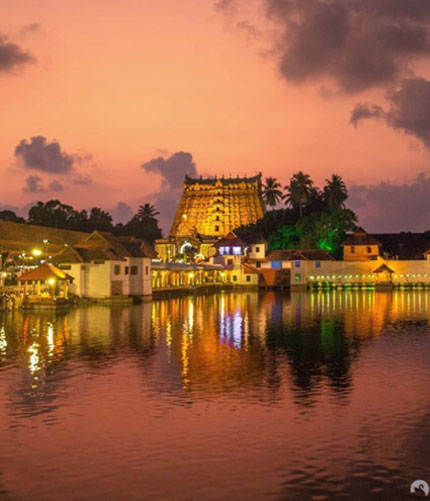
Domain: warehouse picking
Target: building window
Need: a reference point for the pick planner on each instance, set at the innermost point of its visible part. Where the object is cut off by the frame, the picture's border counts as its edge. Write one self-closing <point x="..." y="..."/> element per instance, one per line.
<point x="237" y="251"/>
<point x="257" y="249"/>
<point x="369" y="250"/>
<point x="126" y="270"/>
<point x="317" y="264"/>
<point x="117" y="269"/>
<point x="276" y="264"/>
<point x="216" y="228"/>
<point x="297" y="264"/>
<point x="230" y="261"/>
<point x="258" y="264"/>
<point x="133" y="270"/>
<point x="217" y="218"/>
<point x="234" y="278"/>
<point x="297" y="277"/>
<point x="352" y="249"/>
<point x="146" y="270"/>
<point x="248" y="278"/>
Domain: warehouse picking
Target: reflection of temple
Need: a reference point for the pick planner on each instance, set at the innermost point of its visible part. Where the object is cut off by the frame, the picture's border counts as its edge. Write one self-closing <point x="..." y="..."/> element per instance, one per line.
<point x="209" y="209"/>
<point x="214" y="344"/>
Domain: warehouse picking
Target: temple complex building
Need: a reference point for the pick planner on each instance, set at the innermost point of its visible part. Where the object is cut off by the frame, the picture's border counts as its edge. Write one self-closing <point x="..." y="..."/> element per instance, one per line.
<point x="208" y="211"/>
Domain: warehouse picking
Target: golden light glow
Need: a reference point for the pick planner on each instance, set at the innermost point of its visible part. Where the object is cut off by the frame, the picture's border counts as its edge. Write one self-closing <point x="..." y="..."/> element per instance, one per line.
<point x="34" y="358"/>
<point x="51" y="281"/>
<point x="36" y="252"/>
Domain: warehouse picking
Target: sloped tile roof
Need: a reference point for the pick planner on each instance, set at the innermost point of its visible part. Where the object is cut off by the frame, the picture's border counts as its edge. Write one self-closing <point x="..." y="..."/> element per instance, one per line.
<point x="45" y="271"/>
<point x="28" y="236"/>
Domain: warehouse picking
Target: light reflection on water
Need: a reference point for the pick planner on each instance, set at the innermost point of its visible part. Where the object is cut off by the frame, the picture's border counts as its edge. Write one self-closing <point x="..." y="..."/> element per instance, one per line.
<point x="238" y="395"/>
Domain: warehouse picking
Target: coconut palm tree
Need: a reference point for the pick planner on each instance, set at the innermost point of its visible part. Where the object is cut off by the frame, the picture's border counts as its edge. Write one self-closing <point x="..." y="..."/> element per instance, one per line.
<point x="299" y="191"/>
<point x="335" y="192"/>
<point x="272" y="193"/>
<point x="147" y="211"/>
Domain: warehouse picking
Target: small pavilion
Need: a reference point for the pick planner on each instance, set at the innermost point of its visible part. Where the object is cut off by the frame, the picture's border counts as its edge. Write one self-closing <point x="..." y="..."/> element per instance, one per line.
<point x="46" y="280"/>
<point x="384" y="273"/>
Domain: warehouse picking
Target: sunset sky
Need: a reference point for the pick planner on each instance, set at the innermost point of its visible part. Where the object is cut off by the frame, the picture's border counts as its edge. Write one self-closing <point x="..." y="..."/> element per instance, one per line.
<point x="104" y="87"/>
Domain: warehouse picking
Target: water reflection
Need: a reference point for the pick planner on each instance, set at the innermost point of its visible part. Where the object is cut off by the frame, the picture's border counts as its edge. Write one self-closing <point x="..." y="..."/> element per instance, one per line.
<point x="317" y="382"/>
<point x="219" y="343"/>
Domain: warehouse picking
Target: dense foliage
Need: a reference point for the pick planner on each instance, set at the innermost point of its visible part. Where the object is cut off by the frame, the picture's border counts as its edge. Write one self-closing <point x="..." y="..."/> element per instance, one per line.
<point x="143" y="224"/>
<point x="312" y="218"/>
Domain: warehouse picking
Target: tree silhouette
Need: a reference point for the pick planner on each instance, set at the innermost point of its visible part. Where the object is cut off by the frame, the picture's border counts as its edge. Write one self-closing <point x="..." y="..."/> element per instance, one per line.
<point x="335" y="192"/>
<point x="272" y="193"/>
<point x="299" y="191"/>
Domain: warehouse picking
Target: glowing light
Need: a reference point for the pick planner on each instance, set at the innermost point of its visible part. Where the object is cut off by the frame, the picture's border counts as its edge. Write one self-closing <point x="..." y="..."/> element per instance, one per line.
<point x="3" y="342"/>
<point x="184" y="246"/>
<point x="191" y="316"/>
<point x="51" y="281"/>
<point x="34" y="358"/>
<point x="50" y="339"/>
<point x="237" y="330"/>
<point x="36" y="252"/>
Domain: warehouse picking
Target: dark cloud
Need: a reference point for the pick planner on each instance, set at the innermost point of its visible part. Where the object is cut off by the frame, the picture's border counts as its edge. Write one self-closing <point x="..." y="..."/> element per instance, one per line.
<point x="409" y="109"/>
<point x="33" y="184"/>
<point x="40" y="155"/>
<point x="56" y="186"/>
<point x="12" y="56"/>
<point x="387" y="207"/>
<point x="82" y="180"/>
<point x="172" y="171"/>
<point x="357" y="44"/>
<point x="121" y="213"/>
<point x="29" y="28"/>
<point x="225" y="4"/>
<point x="364" y="111"/>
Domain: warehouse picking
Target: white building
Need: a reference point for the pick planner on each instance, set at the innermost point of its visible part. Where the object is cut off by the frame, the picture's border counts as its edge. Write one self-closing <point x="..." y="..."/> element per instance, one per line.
<point x="103" y="266"/>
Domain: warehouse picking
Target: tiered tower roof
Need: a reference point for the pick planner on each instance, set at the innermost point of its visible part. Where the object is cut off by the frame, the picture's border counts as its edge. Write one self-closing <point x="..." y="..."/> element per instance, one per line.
<point x="216" y="206"/>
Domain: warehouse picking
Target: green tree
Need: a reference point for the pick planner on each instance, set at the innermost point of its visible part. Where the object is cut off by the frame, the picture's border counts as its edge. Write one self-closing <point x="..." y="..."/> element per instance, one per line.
<point x="335" y="192"/>
<point x="285" y="237"/>
<point x="299" y="191"/>
<point x="272" y="192"/>
<point x="319" y="230"/>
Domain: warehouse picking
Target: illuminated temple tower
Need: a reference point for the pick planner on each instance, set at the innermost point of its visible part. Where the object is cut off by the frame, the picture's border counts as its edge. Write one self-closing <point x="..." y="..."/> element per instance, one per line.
<point x="209" y="209"/>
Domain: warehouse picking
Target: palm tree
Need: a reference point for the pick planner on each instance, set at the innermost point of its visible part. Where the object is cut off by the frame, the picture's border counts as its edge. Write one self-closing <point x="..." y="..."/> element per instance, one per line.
<point x="147" y="211"/>
<point x="299" y="191"/>
<point x="335" y="192"/>
<point x="271" y="192"/>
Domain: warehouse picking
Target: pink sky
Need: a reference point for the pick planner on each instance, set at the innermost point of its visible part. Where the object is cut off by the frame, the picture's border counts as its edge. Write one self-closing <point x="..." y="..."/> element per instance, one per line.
<point x="121" y="81"/>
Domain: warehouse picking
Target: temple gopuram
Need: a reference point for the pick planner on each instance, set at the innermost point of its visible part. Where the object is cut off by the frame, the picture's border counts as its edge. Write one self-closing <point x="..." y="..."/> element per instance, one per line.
<point x="209" y="210"/>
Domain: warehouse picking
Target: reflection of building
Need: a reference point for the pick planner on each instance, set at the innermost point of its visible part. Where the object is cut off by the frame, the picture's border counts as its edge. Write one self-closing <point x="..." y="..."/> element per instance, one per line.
<point x="209" y="209"/>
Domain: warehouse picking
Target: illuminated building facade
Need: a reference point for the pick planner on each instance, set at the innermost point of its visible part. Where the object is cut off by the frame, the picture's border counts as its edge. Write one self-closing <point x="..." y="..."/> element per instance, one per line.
<point x="209" y="210"/>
